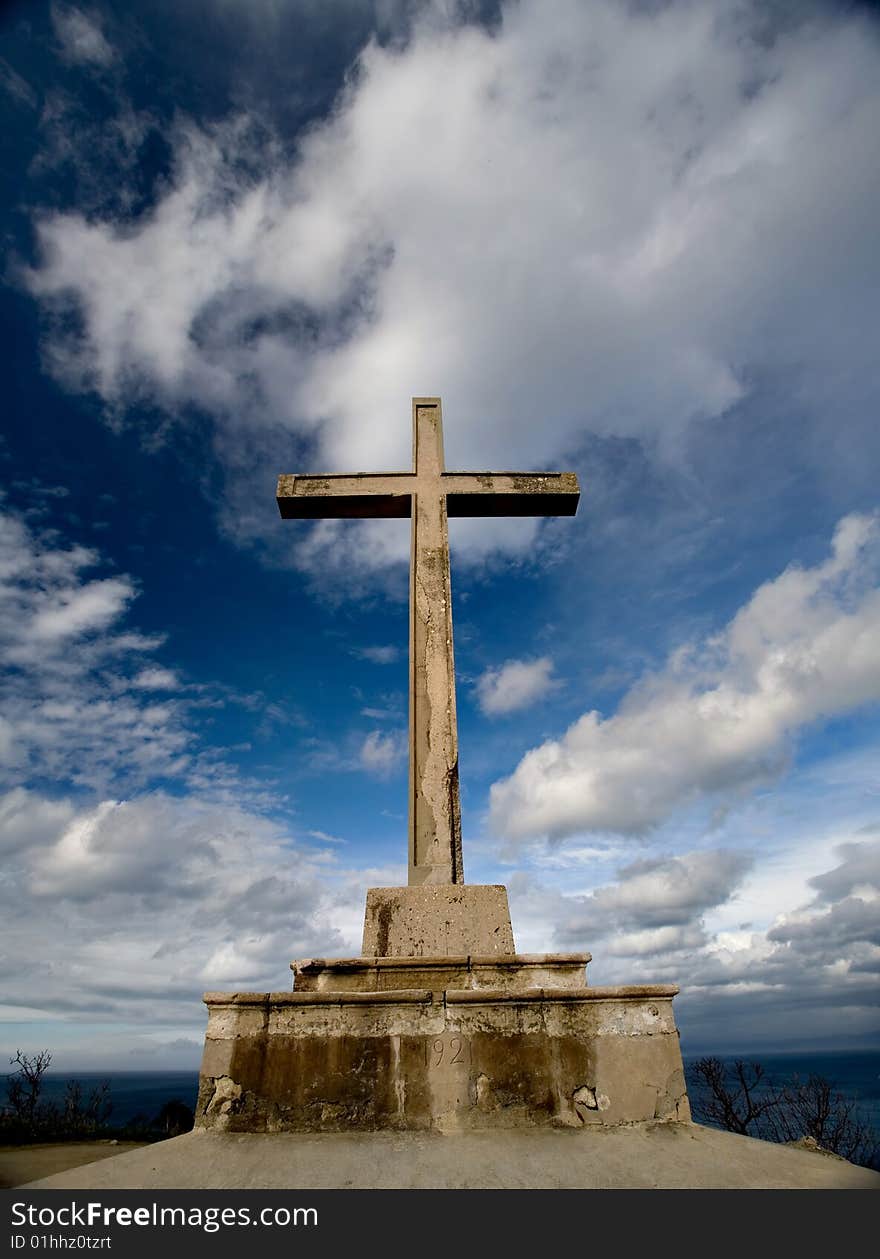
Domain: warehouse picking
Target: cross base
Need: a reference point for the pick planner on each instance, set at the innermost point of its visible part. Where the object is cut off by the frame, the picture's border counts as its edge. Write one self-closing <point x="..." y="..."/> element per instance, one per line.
<point x="437" y="920"/>
<point x="416" y="1059"/>
<point x="440" y="1025"/>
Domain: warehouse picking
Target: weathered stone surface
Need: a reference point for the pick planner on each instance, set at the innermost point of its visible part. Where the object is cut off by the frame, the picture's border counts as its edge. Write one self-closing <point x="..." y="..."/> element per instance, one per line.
<point x="434" y="804"/>
<point x="377" y="974"/>
<point x="437" y="921"/>
<point x="408" y="1060"/>
<point x="429" y="495"/>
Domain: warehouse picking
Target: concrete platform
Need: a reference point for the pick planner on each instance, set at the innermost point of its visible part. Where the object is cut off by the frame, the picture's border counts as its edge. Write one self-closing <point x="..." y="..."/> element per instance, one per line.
<point x="644" y="1156"/>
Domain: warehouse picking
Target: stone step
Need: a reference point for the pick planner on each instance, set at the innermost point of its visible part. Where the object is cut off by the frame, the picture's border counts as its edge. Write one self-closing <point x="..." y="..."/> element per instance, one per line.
<point x="377" y="974"/>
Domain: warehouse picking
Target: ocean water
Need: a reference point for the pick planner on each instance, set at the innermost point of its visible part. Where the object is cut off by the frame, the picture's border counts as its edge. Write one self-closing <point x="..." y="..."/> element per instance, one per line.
<point x="132" y="1093"/>
<point x="856" y="1076"/>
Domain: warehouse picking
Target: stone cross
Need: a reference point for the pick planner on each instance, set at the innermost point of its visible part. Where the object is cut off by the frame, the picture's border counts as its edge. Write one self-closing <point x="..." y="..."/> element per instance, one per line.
<point x="429" y="495"/>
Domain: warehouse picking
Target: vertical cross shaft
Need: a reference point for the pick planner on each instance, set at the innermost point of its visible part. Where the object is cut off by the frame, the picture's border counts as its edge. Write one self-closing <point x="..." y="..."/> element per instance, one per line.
<point x="434" y="802"/>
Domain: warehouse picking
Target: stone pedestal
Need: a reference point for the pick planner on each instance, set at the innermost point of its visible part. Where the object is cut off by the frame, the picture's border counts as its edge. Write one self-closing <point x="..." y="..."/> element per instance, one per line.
<point x="398" y="1039"/>
<point x="412" y="1059"/>
<point x="437" y="920"/>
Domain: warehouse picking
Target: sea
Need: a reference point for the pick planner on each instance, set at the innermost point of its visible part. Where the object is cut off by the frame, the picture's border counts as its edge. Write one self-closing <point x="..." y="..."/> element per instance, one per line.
<point x="133" y="1094"/>
<point x="856" y="1075"/>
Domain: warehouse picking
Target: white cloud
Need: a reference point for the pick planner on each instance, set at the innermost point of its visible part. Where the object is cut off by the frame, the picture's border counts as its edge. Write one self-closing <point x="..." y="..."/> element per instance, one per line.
<point x="386" y="654"/>
<point x="80" y="36"/>
<point x="809" y="976"/>
<point x="78" y="702"/>
<point x="632" y="211"/>
<point x="819" y="964"/>
<point x="156" y="679"/>
<point x="656" y="905"/>
<point x="45" y="602"/>
<point x="858" y="874"/>
<point x="154" y="898"/>
<point x="516" y="684"/>
<point x="116" y="846"/>
<point x="653" y="940"/>
<point x="66" y="708"/>
<point x="722" y="714"/>
<point x="381" y="753"/>
<point x="669" y="890"/>
<point x="324" y="838"/>
<point x="29" y="821"/>
<point x="840" y="928"/>
<point x="81" y="610"/>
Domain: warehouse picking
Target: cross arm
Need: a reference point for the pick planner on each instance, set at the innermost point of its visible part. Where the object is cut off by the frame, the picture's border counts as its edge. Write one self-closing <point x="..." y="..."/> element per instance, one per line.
<point x="355" y="496"/>
<point x="511" y="493"/>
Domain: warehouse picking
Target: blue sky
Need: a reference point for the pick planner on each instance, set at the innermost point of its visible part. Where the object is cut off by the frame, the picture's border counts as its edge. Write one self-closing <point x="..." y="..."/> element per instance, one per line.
<point x="636" y="241"/>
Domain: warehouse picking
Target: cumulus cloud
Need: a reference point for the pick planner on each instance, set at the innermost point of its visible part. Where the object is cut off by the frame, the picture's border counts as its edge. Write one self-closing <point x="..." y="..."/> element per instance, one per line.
<point x="660" y="891"/>
<point x="156" y="679"/>
<point x="809" y="975"/>
<point x="78" y="701"/>
<point x="840" y="929"/>
<point x="80" y="36"/>
<point x="516" y="684"/>
<point x="814" y="973"/>
<point x="639" y="168"/>
<point x="858" y="874"/>
<point x="28" y="821"/>
<point x="78" y="611"/>
<point x="384" y="654"/>
<point x="64" y="704"/>
<point x="48" y="607"/>
<point x="722" y="715"/>
<point x="656" y="905"/>
<point x="116" y="846"/>
<point x="152" y="899"/>
<point x="381" y="753"/>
